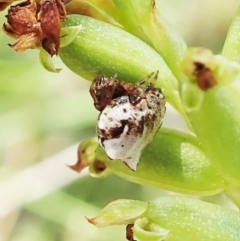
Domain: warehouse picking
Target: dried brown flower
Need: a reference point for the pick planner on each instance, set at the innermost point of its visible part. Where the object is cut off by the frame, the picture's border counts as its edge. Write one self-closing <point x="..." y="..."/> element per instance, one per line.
<point x="35" y="25"/>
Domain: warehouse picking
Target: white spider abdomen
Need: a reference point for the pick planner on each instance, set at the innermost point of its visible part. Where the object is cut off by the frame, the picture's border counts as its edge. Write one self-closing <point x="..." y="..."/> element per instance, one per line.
<point x="124" y="128"/>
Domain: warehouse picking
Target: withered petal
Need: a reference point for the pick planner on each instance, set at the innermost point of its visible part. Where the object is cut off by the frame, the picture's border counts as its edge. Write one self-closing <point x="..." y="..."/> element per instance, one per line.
<point x="61" y="9"/>
<point x="4" y="5"/>
<point x="22" y="20"/>
<point x="79" y="166"/>
<point x="27" y="41"/>
<point x="49" y="46"/>
<point x="9" y="31"/>
<point x="51" y="26"/>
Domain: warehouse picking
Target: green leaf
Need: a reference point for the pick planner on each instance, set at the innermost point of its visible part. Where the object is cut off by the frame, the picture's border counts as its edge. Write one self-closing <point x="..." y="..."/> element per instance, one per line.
<point x="231" y="48"/>
<point x="46" y="61"/>
<point x="68" y="34"/>
<point x="119" y="212"/>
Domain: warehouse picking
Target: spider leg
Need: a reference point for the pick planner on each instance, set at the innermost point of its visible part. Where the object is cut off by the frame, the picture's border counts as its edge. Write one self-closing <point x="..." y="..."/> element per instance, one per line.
<point x="114" y="76"/>
<point x="137" y="98"/>
<point x="151" y="84"/>
<point x="140" y="82"/>
<point x="96" y="89"/>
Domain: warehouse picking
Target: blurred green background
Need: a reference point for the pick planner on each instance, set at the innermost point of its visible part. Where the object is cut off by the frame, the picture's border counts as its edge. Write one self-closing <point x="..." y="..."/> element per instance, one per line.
<point x="44" y="115"/>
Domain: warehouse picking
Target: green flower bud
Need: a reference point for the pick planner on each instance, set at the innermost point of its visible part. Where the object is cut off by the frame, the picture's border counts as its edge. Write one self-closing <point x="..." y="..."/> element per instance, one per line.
<point x="172" y="218"/>
<point x="142" y="18"/>
<point x="215" y="117"/>
<point x="173" y="161"/>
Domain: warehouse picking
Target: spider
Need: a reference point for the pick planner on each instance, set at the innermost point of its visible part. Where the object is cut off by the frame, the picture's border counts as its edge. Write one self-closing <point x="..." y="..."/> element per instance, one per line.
<point x="130" y="116"/>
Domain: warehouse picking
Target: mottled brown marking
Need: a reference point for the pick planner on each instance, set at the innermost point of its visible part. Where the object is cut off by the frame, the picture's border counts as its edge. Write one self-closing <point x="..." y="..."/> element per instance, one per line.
<point x="140" y="127"/>
<point x="149" y="119"/>
<point x="117" y="131"/>
<point x="103" y="131"/>
<point x="204" y="76"/>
